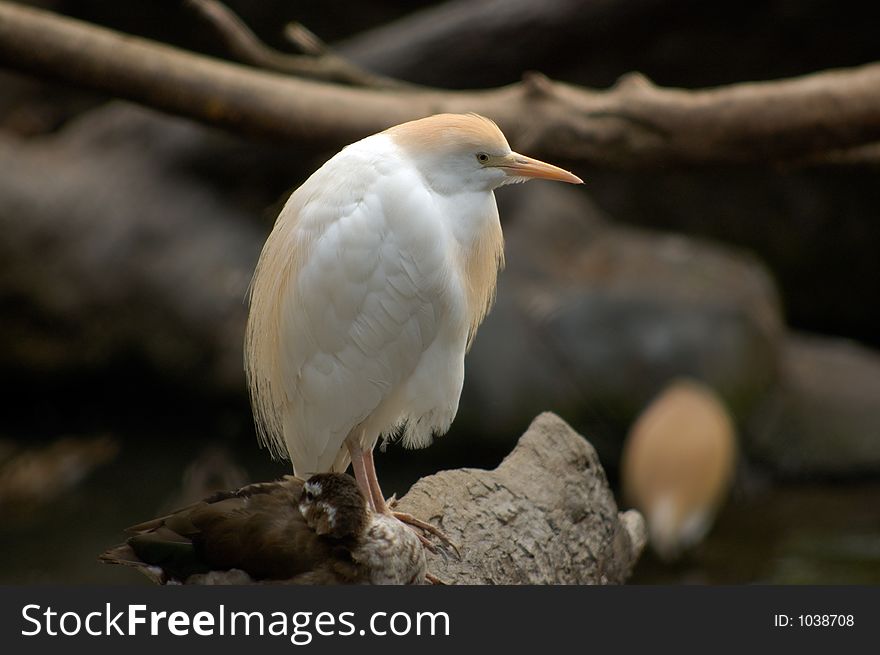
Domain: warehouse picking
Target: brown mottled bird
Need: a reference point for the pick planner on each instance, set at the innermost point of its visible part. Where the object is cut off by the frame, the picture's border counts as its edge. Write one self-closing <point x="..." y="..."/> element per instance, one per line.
<point x="290" y="531"/>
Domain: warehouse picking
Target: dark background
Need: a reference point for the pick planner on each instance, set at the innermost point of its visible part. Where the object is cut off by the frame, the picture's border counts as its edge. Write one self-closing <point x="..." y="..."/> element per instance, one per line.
<point x="163" y="401"/>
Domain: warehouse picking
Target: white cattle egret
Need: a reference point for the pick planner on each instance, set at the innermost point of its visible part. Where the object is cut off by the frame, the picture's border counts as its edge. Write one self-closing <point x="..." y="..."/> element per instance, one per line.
<point x="370" y="288"/>
<point x="678" y="465"/>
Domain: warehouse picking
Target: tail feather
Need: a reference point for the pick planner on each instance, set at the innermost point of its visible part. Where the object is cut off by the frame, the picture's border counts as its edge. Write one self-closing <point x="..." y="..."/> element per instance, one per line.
<point x="124" y="555"/>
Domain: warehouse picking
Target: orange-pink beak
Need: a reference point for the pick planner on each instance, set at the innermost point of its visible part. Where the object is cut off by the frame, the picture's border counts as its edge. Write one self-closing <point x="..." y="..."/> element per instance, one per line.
<point x="517" y="165"/>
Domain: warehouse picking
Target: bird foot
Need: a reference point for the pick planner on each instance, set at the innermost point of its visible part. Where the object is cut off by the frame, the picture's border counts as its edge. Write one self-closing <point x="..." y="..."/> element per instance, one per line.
<point x="433" y="579"/>
<point x="412" y="521"/>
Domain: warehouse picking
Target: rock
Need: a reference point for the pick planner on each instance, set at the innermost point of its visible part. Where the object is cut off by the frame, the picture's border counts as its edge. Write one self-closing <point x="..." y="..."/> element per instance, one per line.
<point x="545" y="516"/>
<point x="122" y="255"/>
<point x="593" y="319"/>
<point x="823" y="416"/>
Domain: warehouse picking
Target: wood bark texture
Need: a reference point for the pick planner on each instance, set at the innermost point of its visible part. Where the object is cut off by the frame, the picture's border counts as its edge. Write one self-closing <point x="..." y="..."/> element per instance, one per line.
<point x="545" y="516"/>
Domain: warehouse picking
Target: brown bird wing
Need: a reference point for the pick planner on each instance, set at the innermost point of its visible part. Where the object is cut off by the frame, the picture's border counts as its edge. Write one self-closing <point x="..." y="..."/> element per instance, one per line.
<point x="262" y="533"/>
<point x="293" y="483"/>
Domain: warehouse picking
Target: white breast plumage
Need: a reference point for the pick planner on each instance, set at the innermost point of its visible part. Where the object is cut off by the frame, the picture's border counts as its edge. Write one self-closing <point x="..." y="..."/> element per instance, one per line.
<point x="364" y="293"/>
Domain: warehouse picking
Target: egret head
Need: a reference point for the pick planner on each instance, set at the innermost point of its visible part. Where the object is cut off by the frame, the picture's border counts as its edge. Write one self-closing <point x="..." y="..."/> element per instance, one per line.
<point x="467" y="152"/>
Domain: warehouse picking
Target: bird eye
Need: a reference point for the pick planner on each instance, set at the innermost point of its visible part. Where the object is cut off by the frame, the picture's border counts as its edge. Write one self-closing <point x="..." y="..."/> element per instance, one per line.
<point x="482" y="157"/>
<point x="309" y="495"/>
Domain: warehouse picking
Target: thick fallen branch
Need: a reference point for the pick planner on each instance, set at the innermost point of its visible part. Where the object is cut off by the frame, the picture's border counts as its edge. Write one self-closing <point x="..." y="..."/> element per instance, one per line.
<point x="544" y="516"/>
<point x="632" y="124"/>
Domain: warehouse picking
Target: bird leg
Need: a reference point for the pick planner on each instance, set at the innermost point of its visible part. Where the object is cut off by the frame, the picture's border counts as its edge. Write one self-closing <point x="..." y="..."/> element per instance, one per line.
<point x="373" y="480"/>
<point x="381" y="506"/>
<point x="358" y="466"/>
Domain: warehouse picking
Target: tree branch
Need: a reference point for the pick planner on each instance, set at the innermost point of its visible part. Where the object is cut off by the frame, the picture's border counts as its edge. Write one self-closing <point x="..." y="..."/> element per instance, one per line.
<point x="499" y="34"/>
<point x="632" y="124"/>
<point x="318" y="63"/>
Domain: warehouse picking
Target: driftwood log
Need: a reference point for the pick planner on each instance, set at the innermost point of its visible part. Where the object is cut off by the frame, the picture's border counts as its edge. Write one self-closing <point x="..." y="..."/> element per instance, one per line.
<point x="545" y="516"/>
<point x="635" y="124"/>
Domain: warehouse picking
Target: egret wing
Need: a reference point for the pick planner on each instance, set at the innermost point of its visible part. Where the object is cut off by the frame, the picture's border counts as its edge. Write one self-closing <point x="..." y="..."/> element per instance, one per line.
<point x="345" y="301"/>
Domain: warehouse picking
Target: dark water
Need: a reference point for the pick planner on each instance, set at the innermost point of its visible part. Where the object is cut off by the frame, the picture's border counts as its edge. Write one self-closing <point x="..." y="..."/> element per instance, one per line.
<point x="828" y="533"/>
<point x="796" y="534"/>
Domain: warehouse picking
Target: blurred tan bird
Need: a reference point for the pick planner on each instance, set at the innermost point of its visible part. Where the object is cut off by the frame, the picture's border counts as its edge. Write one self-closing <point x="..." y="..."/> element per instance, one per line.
<point x="370" y="288"/>
<point x="678" y="465"/>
